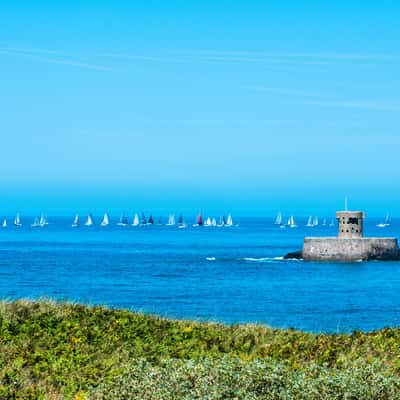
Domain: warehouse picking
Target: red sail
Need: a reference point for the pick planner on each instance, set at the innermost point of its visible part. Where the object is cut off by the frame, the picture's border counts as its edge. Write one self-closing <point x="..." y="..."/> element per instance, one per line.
<point x="199" y="220"/>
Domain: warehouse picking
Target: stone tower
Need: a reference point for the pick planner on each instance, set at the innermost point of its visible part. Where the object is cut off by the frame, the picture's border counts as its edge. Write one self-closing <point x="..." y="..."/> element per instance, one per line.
<point x="350" y="224"/>
<point x="349" y="245"/>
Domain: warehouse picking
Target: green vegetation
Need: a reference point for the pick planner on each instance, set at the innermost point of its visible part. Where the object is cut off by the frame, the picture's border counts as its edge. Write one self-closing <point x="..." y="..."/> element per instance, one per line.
<point x="56" y="351"/>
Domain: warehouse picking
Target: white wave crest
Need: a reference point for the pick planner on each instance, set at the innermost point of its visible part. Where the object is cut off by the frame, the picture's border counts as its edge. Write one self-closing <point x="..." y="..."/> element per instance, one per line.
<point x="266" y="259"/>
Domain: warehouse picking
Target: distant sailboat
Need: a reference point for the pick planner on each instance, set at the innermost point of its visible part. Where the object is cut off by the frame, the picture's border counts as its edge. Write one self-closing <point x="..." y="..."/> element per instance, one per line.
<point x="324" y="223"/>
<point x="278" y="220"/>
<point x="315" y="221"/>
<point x="4" y="224"/>
<point x="76" y="222"/>
<point x="144" y="220"/>
<point x="171" y="220"/>
<point x="291" y="223"/>
<point x="310" y="222"/>
<point x="387" y="219"/>
<point x="222" y="221"/>
<point x="136" y="220"/>
<point x="214" y="222"/>
<point x="17" y="221"/>
<point x="151" y="220"/>
<point x="199" y="220"/>
<point x="181" y="222"/>
<point x="332" y="223"/>
<point x="207" y="222"/>
<point x="36" y="223"/>
<point x="229" y="221"/>
<point x="385" y="223"/>
<point x="89" y="220"/>
<point x="43" y="221"/>
<point x="123" y="221"/>
<point x="106" y="220"/>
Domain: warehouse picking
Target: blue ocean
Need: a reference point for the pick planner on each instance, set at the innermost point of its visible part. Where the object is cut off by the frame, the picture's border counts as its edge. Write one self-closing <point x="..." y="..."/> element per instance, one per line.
<point x="231" y="274"/>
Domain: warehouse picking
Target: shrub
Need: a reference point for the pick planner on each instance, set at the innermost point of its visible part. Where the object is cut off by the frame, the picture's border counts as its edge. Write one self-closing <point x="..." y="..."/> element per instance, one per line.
<point x="61" y="350"/>
<point x="231" y="379"/>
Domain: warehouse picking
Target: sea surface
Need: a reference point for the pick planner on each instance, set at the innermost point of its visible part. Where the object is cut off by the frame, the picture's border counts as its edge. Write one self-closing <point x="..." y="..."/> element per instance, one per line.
<point x="232" y="275"/>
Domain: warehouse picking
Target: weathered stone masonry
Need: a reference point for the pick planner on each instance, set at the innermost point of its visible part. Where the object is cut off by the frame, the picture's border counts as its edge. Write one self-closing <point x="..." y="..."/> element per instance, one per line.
<point x="350" y="245"/>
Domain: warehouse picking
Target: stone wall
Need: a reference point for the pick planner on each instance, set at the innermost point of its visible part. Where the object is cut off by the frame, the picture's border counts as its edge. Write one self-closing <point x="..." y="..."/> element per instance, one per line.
<point x="333" y="249"/>
<point x="350" y="224"/>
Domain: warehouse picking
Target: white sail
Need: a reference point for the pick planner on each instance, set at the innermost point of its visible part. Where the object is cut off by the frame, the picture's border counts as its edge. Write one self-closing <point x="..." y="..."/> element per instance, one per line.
<point x="171" y="220"/>
<point x="35" y="223"/>
<point x="291" y="222"/>
<point x="4" y="224"/>
<point x="324" y="223"/>
<point x="17" y="221"/>
<point x="309" y="221"/>
<point x="76" y="221"/>
<point x="278" y="220"/>
<point x="229" y="221"/>
<point x="214" y="222"/>
<point x="89" y="221"/>
<point x="136" y="220"/>
<point x="315" y="221"/>
<point x="105" y="221"/>
<point x="385" y="223"/>
<point x="43" y="220"/>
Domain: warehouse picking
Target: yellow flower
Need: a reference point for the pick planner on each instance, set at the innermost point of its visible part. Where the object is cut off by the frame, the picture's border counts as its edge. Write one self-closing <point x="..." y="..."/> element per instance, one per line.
<point x="75" y="340"/>
<point x="80" y="396"/>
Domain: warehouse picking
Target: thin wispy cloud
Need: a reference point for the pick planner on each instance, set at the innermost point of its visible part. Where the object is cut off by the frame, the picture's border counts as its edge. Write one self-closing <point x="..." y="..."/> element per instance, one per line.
<point x="206" y="56"/>
<point x="280" y="91"/>
<point x="47" y="56"/>
<point x="356" y="104"/>
<point x="227" y="121"/>
<point x="315" y="99"/>
<point x="226" y="58"/>
<point x="28" y="50"/>
<point x="258" y="55"/>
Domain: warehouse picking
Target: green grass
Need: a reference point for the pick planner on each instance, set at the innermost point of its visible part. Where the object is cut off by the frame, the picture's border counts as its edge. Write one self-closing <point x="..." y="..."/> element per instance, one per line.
<point x="56" y="350"/>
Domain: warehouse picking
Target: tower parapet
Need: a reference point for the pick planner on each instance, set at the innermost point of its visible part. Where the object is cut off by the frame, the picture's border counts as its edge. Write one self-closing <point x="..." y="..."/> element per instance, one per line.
<point x="350" y="224"/>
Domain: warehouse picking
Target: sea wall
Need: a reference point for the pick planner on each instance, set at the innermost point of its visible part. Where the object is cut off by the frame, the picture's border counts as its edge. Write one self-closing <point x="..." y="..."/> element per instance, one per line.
<point x="334" y="249"/>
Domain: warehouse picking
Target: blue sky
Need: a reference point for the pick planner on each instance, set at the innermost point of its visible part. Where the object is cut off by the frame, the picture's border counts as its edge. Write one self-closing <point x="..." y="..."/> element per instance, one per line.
<point x="249" y="107"/>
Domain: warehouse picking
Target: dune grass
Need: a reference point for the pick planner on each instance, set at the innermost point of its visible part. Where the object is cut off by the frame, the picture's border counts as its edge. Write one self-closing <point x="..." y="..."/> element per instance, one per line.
<point x="54" y="350"/>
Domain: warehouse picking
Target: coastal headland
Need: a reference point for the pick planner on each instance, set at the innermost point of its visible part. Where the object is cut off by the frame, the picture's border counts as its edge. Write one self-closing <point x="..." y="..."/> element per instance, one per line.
<point x="54" y="350"/>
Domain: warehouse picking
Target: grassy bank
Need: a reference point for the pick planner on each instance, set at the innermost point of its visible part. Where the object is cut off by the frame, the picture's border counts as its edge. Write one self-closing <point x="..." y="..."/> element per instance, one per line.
<point x="56" y="351"/>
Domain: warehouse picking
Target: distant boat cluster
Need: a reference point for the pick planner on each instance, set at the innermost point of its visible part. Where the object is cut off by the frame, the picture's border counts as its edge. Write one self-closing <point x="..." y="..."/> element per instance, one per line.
<point x="136" y="221"/>
<point x="38" y="222"/>
<point x="312" y="221"/>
